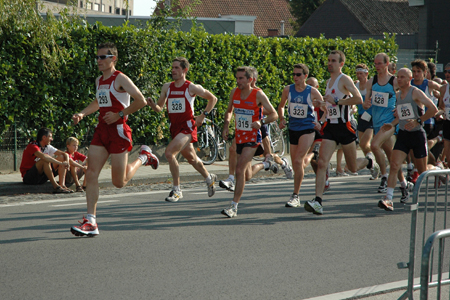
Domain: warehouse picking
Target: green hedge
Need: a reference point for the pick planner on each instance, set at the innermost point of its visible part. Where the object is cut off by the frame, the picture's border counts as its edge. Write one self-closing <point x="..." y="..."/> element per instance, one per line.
<point x="36" y="95"/>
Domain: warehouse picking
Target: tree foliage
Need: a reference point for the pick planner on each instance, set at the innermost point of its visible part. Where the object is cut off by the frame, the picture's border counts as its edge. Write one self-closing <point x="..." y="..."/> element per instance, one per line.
<point x="302" y="10"/>
<point x="37" y="93"/>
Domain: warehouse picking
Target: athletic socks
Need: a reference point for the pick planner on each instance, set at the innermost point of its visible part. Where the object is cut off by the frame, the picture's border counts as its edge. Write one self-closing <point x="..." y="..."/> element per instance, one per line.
<point x="92" y="219"/>
<point x="403" y="184"/>
<point x="235" y="204"/>
<point x="143" y="158"/>
<point x="266" y="165"/>
<point x="176" y="188"/>
<point x="231" y="177"/>
<point x="389" y="193"/>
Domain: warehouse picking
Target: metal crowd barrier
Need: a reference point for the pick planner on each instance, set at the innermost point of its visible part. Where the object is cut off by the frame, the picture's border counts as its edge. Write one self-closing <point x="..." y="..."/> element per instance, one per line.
<point x="427" y="200"/>
<point x="426" y="279"/>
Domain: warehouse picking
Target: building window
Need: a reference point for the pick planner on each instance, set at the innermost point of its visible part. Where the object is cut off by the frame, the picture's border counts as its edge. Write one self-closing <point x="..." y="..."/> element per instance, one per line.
<point x="81" y="4"/>
<point x="89" y="5"/>
<point x="96" y="7"/>
<point x="117" y="11"/>
<point x="124" y="12"/>
<point x="110" y="9"/>
<point x="103" y="7"/>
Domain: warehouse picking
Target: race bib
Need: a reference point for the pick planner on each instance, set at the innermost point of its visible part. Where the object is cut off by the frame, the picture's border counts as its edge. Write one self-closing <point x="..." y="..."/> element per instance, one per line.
<point x="380" y="99"/>
<point x="366" y="117"/>
<point x="334" y="111"/>
<point x="104" y="98"/>
<point x="405" y="111"/>
<point x="298" y="110"/>
<point x="243" y="122"/>
<point x="176" y="105"/>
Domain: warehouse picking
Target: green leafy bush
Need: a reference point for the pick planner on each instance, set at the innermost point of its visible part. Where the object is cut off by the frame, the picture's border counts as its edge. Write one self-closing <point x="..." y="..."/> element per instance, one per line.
<point x="45" y="81"/>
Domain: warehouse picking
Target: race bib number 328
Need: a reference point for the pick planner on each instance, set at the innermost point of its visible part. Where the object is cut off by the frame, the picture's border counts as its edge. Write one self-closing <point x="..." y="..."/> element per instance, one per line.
<point x="176" y="105"/>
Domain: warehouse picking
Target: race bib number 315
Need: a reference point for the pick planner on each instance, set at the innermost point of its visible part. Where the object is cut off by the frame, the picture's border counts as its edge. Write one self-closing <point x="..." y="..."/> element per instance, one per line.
<point x="243" y="122"/>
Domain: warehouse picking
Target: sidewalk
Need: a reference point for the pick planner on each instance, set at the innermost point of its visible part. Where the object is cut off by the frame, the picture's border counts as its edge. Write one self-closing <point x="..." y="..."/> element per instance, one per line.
<point x="11" y="183"/>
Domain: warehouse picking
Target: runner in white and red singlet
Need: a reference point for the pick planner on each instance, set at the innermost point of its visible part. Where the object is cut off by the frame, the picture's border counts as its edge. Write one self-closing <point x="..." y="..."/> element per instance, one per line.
<point x="179" y="97"/>
<point x="112" y="135"/>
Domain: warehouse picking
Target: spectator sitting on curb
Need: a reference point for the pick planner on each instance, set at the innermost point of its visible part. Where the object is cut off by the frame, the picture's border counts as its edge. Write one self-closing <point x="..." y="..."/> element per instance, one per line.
<point x="36" y="166"/>
<point x="78" y="163"/>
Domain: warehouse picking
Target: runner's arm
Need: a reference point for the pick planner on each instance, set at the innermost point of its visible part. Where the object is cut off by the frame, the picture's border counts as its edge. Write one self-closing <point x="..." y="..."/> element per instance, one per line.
<point x="159" y="106"/>
<point x="368" y="100"/>
<point x="227" y="116"/>
<point x="282" y="106"/>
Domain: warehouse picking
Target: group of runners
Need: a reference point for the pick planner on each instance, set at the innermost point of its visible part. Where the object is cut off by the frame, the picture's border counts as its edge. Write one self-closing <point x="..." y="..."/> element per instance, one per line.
<point x="387" y="105"/>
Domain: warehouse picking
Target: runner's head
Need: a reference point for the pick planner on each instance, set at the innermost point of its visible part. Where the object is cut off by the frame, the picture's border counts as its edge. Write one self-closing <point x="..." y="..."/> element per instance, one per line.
<point x="404" y="76"/>
<point x="254" y="76"/>
<point x="381" y="63"/>
<point x="431" y="70"/>
<point x="45" y="136"/>
<point x="392" y="68"/>
<point x="243" y="77"/>
<point x="300" y="73"/>
<point x="419" y="69"/>
<point x="336" y="60"/>
<point x="362" y="72"/>
<point x="72" y="144"/>
<point x="447" y="72"/>
<point x="107" y="56"/>
<point x="312" y="81"/>
<point x="180" y="67"/>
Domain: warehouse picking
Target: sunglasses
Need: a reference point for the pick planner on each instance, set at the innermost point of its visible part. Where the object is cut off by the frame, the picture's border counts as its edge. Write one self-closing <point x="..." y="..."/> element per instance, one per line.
<point x="102" y="57"/>
<point x="446" y="71"/>
<point x="297" y="74"/>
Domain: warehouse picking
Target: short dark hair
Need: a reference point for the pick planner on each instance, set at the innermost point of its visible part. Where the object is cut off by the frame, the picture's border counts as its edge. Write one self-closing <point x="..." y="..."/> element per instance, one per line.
<point x="112" y="49"/>
<point x="184" y="63"/>
<point x="304" y="68"/>
<point x="248" y="72"/>
<point x="420" y="63"/>
<point x="432" y="69"/>
<point x="43" y="132"/>
<point x="341" y="55"/>
<point x="385" y="57"/>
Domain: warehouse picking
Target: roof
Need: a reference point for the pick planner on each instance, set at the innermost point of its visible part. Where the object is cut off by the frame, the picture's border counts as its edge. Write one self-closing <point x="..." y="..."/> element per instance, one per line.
<point x="269" y="13"/>
<point x="378" y="16"/>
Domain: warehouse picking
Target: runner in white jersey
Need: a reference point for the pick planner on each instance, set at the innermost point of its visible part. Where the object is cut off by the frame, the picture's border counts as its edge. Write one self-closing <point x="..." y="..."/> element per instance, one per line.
<point x="112" y="136"/>
<point x="340" y="95"/>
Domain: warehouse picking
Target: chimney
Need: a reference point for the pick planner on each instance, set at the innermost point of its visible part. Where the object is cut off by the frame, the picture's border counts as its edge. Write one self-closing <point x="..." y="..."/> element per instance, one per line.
<point x="272" y="32"/>
<point x="282" y="27"/>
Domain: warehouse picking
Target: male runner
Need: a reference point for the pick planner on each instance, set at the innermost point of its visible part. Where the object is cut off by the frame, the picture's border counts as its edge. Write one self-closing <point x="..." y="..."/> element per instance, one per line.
<point x="444" y="104"/>
<point x="340" y="95"/>
<point x="411" y="136"/>
<point x="381" y="97"/>
<point x="301" y="99"/>
<point x="269" y="156"/>
<point x="179" y="95"/>
<point x="112" y="136"/>
<point x="248" y="103"/>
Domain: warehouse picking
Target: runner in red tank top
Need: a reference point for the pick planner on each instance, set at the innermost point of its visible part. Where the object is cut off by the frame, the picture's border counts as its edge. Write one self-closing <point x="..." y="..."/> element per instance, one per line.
<point x="112" y="135"/>
<point x="179" y="97"/>
<point x="247" y="102"/>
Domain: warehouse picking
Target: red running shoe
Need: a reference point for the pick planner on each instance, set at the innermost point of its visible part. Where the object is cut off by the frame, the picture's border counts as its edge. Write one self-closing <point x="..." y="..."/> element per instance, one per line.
<point x="414" y="177"/>
<point x="152" y="160"/>
<point x="85" y="228"/>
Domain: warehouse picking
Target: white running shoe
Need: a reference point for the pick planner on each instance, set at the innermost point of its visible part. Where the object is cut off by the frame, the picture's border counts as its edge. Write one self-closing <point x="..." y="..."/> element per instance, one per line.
<point x="227" y="184"/>
<point x="211" y="186"/>
<point x="314" y="206"/>
<point x="386" y="204"/>
<point x="294" y="201"/>
<point x="230" y="211"/>
<point x="287" y="169"/>
<point x="152" y="160"/>
<point x="174" y="196"/>
<point x="272" y="166"/>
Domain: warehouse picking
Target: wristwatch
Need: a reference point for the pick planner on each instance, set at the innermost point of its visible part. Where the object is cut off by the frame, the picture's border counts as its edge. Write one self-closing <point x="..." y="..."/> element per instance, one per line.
<point x="121" y="114"/>
<point x="419" y="120"/>
<point x="336" y="101"/>
<point x="321" y="123"/>
<point x="205" y="113"/>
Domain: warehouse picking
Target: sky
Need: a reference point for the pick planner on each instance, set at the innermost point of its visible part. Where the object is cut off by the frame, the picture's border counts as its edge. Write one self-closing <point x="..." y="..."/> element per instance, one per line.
<point x="143" y="7"/>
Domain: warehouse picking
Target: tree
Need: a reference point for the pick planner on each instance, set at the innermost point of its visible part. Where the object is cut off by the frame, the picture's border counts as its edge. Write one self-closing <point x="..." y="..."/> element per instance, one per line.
<point x="302" y="10"/>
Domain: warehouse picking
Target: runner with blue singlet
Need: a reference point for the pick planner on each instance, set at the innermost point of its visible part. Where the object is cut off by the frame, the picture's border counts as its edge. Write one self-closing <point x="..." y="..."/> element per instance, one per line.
<point x="381" y="97"/>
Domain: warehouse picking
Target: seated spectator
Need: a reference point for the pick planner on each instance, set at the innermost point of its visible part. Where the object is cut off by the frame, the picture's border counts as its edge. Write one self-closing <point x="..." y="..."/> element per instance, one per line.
<point x="37" y="164"/>
<point x="78" y="166"/>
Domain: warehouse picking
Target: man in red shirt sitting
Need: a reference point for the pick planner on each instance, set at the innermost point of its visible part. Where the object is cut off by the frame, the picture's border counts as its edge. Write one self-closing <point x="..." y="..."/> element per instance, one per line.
<point x="37" y="160"/>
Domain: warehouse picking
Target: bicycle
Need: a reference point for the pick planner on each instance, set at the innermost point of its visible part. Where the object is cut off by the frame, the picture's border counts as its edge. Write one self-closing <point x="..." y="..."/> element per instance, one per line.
<point x="210" y="144"/>
<point x="277" y="142"/>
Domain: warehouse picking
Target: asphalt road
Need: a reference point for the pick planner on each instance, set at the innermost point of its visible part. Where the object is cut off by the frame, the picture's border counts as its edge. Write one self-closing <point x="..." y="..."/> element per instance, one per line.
<point x="152" y="249"/>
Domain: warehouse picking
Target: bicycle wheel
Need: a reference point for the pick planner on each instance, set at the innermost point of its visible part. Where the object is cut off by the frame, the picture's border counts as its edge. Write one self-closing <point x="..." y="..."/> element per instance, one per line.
<point x="277" y="140"/>
<point x="221" y="145"/>
<point x="206" y="147"/>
